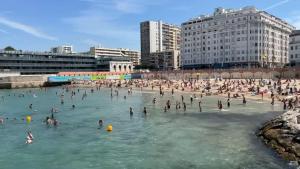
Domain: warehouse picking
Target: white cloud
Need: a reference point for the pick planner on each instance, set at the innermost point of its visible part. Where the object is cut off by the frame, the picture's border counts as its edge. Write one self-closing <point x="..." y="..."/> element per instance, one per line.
<point x="277" y="4"/>
<point x="25" y="28"/>
<point x="105" y="19"/>
<point x="3" y="31"/>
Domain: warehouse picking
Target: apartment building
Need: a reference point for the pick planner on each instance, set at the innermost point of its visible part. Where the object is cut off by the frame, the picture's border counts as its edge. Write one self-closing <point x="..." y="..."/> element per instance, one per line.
<point x="166" y="60"/>
<point x="295" y="48"/>
<point x="228" y="38"/>
<point x="157" y="37"/>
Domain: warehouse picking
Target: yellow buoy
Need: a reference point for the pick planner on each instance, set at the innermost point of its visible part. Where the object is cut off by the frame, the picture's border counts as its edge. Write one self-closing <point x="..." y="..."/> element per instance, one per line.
<point x="28" y="119"/>
<point x="109" y="128"/>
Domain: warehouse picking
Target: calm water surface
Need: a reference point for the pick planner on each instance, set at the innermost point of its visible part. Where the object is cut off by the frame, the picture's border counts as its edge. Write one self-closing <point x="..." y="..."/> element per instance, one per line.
<point x="172" y="140"/>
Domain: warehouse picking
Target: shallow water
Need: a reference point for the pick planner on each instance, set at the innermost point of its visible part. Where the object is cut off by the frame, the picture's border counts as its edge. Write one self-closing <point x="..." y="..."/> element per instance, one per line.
<point x="173" y="140"/>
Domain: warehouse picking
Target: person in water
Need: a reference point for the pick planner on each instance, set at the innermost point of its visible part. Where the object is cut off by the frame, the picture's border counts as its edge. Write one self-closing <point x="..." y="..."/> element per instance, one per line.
<point x="29" y="138"/>
<point x="100" y="123"/>
<point x="131" y="111"/>
<point x="200" y="107"/>
<point x="228" y="102"/>
<point x="145" y="111"/>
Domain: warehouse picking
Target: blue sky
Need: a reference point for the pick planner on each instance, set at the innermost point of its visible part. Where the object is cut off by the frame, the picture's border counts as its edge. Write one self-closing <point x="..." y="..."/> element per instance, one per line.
<point x="40" y="24"/>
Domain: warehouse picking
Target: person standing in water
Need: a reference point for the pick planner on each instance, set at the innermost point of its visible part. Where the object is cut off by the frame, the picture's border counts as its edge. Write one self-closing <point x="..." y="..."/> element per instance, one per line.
<point x="145" y="111"/>
<point x="228" y="103"/>
<point x="130" y="111"/>
<point x="244" y="100"/>
<point x="200" y="108"/>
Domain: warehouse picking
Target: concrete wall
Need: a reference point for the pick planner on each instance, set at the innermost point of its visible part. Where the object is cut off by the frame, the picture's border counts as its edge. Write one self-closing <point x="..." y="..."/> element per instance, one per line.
<point x="22" y="81"/>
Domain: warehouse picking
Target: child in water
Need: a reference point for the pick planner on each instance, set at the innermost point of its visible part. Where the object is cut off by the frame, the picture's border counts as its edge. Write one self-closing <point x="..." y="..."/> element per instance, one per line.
<point x="29" y="137"/>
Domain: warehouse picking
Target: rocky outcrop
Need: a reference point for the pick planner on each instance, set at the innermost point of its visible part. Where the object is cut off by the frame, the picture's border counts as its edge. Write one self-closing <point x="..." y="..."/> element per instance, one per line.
<point x="283" y="135"/>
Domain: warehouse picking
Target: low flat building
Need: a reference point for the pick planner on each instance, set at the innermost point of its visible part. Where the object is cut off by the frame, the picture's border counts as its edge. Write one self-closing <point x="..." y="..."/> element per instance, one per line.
<point x="45" y="63"/>
<point x="294" y="49"/>
<point x="134" y="56"/>
<point x="165" y="60"/>
<point x="64" y="49"/>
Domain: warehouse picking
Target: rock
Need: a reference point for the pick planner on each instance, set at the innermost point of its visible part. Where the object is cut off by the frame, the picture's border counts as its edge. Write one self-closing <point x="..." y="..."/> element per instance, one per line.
<point x="296" y="149"/>
<point x="272" y="134"/>
<point x="288" y="156"/>
<point x="283" y="135"/>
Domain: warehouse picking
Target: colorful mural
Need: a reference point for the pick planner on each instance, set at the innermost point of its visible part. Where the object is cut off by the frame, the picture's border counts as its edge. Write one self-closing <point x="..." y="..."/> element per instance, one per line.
<point x="69" y="76"/>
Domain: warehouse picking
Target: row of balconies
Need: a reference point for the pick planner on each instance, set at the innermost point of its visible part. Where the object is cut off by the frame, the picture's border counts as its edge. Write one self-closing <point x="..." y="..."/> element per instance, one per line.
<point x="45" y="65"/>
<point x="48" y="60"/>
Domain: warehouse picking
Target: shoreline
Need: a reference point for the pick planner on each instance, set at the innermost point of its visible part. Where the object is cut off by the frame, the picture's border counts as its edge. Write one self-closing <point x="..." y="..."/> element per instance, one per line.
<point x="282" y="134"/>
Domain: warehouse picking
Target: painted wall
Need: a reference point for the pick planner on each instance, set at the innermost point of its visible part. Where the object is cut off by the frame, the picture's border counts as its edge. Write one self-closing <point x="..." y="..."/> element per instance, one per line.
<point x="94" y="77"/>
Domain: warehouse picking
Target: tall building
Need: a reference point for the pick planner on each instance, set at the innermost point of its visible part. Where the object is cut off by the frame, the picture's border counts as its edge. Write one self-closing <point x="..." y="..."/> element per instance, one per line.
<point x="64" y="49"/>
<point x="235" y="38"/>
<point x="133" y="56"/>
<point x="295" y="48"/>
<point x="157" y="36"/>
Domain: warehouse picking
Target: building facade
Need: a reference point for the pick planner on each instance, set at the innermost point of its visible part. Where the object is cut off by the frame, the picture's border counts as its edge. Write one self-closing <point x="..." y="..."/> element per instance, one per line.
<point x="64" y="49"/>
<point x="134" y="56"/>
<point x="157" y="36"/>
<point x="235" y="38"/>
<point x="45" y="63"/>
<point x="295" y="48"/>
<point x="166" y="60"/>
<point x="114" y="64"/>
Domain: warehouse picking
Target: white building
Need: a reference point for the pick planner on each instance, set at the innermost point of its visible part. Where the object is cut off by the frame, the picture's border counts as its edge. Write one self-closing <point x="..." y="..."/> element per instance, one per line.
<point x="235" y="38"/>
<point x="295" y="48"/>
<point x="157" y="36"/>
<point x="64" y="49"/>
<point x="115" y="66"/>
<point x="134" y="56"/>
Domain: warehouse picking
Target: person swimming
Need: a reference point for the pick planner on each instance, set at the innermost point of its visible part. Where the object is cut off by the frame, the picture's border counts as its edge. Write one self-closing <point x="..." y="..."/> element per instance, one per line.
<point x="29" y="138"/>
<point x="100" y="123"/>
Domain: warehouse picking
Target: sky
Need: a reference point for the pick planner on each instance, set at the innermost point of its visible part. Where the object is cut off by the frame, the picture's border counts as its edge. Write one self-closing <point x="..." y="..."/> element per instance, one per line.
<point x="38" y="25"/>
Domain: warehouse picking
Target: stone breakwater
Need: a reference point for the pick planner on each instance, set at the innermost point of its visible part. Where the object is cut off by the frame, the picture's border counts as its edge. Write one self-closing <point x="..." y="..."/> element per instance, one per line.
<point x="283" y="135"/>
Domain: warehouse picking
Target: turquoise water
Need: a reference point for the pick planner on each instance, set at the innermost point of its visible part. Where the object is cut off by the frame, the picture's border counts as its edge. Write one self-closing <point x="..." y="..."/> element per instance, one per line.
<point x="173" y="140"/>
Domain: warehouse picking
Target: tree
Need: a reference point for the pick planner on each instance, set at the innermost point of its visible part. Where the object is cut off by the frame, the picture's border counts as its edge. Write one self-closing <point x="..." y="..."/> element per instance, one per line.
<point x="9" y="48"/>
